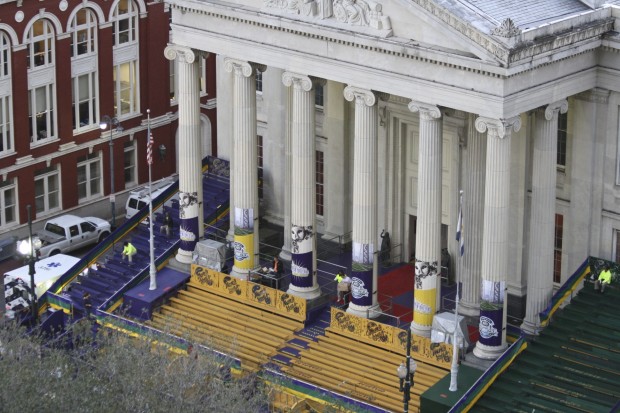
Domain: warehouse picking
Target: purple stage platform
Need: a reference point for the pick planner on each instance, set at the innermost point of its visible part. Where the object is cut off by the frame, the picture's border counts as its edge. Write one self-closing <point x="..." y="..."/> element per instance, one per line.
<point x="140" y="302"/>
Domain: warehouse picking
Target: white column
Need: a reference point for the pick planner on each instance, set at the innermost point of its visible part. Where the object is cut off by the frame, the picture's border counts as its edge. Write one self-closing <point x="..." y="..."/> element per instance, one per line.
<point x="190" y="161"/>
<point x="245" y="164"/>
<point x="428" y="232"/>
<point x="364" y="236"/>
<point x="473" y="216"/>
<point x="542" y="215"/>
<point x="303" y="228"/>
<point x="492" y="326"/>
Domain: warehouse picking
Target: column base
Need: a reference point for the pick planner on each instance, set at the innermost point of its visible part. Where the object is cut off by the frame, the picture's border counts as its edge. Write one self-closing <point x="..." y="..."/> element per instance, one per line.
<point x="364" y="311"/>
<point x="529" y="328"/>
<point x="420" y="330"/>
<point x="489" y="352"/>
<point x="308" y="293"/>
<point x="469" y="309"/>
<point x="179" y="266"/>
<point x="184" y="257"/>
<point x="240" y="273"/>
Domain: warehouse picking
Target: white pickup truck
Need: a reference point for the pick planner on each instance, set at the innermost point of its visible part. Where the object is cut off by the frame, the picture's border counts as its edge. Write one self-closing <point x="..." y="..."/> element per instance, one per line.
<point x="69" y="232"/>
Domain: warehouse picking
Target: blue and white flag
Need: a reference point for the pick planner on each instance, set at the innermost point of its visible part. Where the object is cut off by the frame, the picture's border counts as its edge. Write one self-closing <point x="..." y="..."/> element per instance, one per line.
<point x="459" y="228"/>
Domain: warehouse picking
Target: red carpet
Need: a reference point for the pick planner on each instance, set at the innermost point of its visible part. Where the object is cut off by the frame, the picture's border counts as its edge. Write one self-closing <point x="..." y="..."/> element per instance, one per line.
<point x="397" y="282"/>
<point x="405" y="314"/>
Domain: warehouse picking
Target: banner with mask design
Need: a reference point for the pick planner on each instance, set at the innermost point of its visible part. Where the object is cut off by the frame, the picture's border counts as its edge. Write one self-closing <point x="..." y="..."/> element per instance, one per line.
<point x="361" y="274"/>
<point x="302" y="255"/>
<point x="491" y="312"/>
<point x="243" y="245"/>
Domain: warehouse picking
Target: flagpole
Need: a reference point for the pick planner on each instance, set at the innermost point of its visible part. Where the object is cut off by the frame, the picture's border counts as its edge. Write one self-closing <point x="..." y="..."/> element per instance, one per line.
<point x="149" y="159"/>
<point x="454" y="369"/>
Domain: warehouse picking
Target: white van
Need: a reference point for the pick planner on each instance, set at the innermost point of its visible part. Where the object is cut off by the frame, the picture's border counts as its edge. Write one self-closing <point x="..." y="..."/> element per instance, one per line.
<point x="46" y="272"/>
<point x="139" y="198"/>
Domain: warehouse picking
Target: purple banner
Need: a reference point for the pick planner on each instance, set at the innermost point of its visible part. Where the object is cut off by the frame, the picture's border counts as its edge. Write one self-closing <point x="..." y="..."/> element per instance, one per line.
<point x="189" y="234"/>
<point x="490" y="327"/>
<point x="361" y="286"/>
<point x="301" y="269"/>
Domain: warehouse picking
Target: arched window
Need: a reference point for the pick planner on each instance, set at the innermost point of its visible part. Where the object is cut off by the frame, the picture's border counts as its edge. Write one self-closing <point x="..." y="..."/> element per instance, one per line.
<point x="83" y="33"/>
<point x="126" y="52"/>
<point x="41" y="76"/>
<point x="40" y="44"/>
<point x="6" y="106"/>
<point x="84" y="69"/>
<point x="125" y="23"/>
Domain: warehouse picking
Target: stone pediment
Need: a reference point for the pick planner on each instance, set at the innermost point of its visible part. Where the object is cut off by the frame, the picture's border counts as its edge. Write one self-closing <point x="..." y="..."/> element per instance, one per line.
<point x="448" y="26"/>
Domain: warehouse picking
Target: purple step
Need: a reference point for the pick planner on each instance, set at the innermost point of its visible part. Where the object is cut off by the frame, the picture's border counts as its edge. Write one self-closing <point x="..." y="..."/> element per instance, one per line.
<point x="281" y="359"/>
<point x="290" y="350"/>
<point x="299" y="343"/>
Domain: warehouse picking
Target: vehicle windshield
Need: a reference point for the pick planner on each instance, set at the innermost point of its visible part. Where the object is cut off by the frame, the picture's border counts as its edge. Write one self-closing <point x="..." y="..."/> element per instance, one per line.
<point x="55" y="229"/>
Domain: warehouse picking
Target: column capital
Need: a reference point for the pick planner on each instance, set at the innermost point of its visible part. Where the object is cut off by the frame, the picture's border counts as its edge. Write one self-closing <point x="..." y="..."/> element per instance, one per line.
<point x="498" y="127"/>
<point x="242" y="67"/>
<point x="427" y="111"/>
<point x="302" y="81"/>
<point x="184" y="54"/>
<point x="369" y="97"/>
<point x="561" y="106"/>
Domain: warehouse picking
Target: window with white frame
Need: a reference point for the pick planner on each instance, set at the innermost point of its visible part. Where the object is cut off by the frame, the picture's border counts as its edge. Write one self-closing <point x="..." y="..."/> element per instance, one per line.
<point x="130" y="164"/>
<point x="5" y="56"/>
<point x="8" y="203"/>
<point x="89" y="177"/>
<point x="41" y="75"/>
<point x="126" y="52"/>
<point x="6" y="134"/>
<point x="47" y="190"/>
<point x="40" y="44"/>
<point x="83" y="33"/>
<point x="6" y="107"/>
<point x="84" y="70"/>
<point x="41" y="102"/>
<point x="85" y="101"/>
<point x="126" y="88"/>
<point x="125" y="22"/>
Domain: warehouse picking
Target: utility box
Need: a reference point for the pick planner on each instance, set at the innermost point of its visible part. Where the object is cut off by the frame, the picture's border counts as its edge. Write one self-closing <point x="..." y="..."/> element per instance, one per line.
<point x="211" y="254"/>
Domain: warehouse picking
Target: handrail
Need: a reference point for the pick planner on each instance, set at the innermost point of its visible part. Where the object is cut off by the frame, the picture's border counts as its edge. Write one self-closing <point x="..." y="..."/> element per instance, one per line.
<point x="478" y="389"/>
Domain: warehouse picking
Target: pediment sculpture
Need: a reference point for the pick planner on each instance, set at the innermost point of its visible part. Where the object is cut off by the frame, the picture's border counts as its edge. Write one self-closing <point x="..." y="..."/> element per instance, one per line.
<point x="353" y="12"/>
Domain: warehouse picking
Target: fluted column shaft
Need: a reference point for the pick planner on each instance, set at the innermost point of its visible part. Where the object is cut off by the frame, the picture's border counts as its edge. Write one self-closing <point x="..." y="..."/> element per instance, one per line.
<point x="495" y="236"/>
<point x="245" y="165"/>
<point x="303" y="192"/>
<point x="473" y="215"/>
<point x="364" y="200"/>
<point x="428" y="229"/>
<point x="190" y="162"/>
<point x="542" y="215"/>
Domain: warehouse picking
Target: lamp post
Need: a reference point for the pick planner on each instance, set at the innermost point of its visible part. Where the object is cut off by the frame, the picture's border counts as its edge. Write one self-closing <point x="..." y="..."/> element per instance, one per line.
<point x="112" y="123"/>
<point x="406" y="372"/>
<point x="28" y="248"/>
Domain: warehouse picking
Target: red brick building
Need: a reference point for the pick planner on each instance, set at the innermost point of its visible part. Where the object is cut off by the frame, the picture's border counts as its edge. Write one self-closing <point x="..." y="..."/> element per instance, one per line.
<point x="67" y="66"/>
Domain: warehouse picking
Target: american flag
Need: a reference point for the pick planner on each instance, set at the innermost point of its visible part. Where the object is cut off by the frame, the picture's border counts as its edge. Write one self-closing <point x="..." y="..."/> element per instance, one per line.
<point x="149" y="150"/>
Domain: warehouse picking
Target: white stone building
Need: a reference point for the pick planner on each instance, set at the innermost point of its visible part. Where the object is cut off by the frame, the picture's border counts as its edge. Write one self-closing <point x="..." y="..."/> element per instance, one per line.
<point x="514" y="103"/>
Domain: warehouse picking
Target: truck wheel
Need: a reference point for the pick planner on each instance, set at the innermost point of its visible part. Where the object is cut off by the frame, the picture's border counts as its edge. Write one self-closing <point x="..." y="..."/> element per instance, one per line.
<point x="103" y="236"/>
<point x="55" y="252"/>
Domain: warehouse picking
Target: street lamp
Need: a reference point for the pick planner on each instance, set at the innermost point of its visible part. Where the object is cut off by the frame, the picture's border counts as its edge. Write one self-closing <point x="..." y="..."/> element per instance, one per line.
<point x="406" y="372"/>
<point x="114" y="124"/>
<point x="28" y="248"/>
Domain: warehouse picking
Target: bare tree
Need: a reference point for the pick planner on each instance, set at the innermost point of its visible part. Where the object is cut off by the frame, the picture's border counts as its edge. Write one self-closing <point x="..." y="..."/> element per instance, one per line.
<point x="112" y="372"/>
